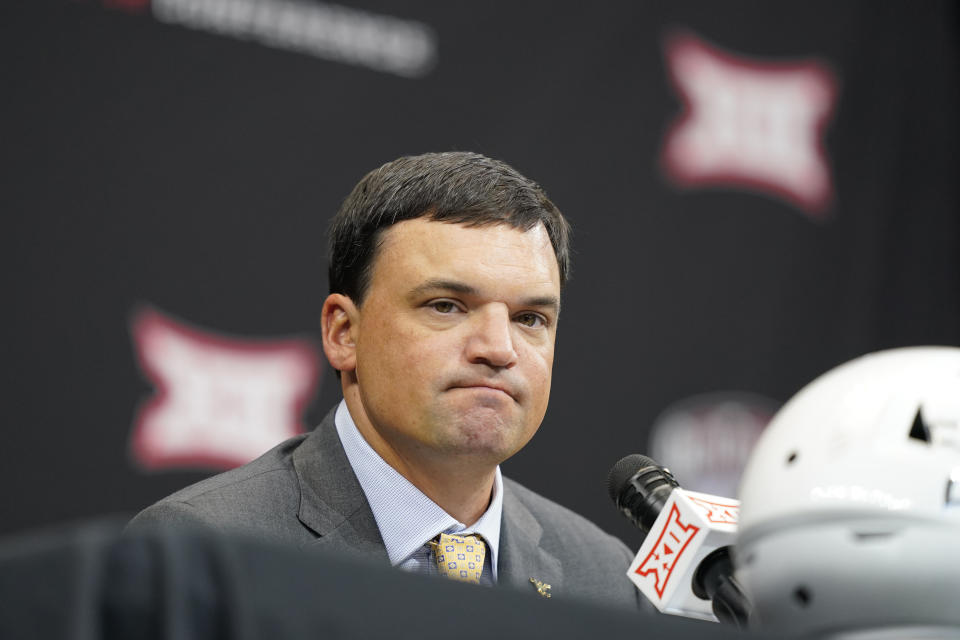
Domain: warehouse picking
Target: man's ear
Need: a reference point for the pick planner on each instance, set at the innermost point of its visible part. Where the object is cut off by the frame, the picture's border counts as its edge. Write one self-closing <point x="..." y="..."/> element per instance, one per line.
<point x="338" y="325"/>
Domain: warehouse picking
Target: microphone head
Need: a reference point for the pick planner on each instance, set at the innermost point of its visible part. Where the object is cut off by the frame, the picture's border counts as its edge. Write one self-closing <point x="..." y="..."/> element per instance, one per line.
<point x="625" y="468"/>
<point x="640" y="487"/>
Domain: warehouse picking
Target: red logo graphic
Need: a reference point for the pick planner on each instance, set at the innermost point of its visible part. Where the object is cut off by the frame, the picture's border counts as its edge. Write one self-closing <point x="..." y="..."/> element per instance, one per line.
<point x="750" y="124"/>
<point x="220" y="401"/>
<point x="671" y="544"/>
<point x="717" y="512"/>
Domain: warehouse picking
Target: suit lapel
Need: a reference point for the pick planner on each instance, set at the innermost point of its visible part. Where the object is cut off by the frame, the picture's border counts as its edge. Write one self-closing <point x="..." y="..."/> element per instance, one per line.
<point x="332" y="504"/>
<point x="334" y="507"/>
<point x="521" y="556"/>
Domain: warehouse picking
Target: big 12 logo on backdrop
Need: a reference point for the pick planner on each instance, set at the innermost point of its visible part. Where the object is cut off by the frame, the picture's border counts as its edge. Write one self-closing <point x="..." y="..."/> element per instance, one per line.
<point x="220" y="401"/>
<point x="750" y="124"/>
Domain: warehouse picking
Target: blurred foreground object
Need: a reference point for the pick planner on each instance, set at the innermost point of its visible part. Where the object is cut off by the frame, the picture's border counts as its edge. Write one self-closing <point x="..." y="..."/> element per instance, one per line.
<point x="850" y="515"/>
<point x="88" y="582"/>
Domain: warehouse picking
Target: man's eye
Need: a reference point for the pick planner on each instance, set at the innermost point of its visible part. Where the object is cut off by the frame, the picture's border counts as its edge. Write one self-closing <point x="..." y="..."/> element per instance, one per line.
<point x="531" y="320"/>
<point x="443" y="306"/>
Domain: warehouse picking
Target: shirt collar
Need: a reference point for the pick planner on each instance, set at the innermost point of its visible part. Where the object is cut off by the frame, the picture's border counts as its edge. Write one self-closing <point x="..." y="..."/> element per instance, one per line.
<point x="405" y="516"/>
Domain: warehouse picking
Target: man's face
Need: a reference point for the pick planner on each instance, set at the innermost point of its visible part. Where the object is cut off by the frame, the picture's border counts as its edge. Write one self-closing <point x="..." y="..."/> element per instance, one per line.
<point x="454" y="344"/>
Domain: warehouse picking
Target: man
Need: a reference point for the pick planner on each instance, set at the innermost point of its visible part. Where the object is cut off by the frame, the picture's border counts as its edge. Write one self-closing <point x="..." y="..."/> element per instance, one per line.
<point x="445" y="278"/>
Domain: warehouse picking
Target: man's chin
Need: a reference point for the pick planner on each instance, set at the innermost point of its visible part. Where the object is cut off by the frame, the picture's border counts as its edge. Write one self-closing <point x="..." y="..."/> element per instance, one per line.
<point x="485" y="434"/>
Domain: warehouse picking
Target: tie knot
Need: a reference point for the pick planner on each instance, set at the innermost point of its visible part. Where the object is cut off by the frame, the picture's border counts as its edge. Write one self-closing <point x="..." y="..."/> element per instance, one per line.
<point x="460" y="557"/>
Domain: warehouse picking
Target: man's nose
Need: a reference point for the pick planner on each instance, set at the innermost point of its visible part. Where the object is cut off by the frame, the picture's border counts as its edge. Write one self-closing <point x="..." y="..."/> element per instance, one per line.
<point x="491" y="338"/>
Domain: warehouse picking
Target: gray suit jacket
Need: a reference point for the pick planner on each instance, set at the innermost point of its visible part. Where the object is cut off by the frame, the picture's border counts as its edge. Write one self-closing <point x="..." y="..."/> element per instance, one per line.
<point x="304" y="492"/>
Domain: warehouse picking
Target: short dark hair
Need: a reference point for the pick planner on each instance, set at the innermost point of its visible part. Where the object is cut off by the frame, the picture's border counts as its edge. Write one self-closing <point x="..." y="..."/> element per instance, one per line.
<point x="456" y="187"/>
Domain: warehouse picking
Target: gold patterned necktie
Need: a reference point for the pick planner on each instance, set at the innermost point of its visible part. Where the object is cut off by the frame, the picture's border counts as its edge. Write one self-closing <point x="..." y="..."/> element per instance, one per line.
<point x="460" y="557"/>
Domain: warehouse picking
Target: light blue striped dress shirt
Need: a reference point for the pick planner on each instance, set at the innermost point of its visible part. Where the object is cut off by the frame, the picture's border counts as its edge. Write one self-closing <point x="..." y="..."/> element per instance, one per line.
<point x="407" y="518"/>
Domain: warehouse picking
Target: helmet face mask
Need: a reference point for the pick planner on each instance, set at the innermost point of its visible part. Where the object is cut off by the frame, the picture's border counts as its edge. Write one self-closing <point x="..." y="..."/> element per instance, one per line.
<point x="850" y="515"/>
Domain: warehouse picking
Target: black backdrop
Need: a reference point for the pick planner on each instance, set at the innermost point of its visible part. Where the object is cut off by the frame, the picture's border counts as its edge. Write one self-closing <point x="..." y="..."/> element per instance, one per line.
<point x="178" y="157"/>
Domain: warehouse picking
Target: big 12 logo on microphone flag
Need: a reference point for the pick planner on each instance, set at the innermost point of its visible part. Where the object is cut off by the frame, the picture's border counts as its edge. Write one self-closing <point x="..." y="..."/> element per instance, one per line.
<point x="690" y="525"/>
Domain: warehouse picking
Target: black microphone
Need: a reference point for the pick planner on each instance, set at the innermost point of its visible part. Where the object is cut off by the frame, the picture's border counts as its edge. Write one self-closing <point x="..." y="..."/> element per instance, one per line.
<point x="683" y="566"/>
<point x="640" y="487"/>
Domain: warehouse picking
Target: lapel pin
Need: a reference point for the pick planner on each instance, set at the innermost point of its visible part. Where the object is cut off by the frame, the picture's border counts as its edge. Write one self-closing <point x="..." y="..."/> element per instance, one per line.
<point x="542" y="589"/>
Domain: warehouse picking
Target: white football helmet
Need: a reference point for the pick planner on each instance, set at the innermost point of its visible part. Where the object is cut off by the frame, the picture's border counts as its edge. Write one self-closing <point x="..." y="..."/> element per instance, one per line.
<point x="850" y="514"/>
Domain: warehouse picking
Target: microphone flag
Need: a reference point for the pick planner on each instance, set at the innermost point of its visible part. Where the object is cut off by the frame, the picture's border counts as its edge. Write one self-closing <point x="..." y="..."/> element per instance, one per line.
<point x="690" y="525"/>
